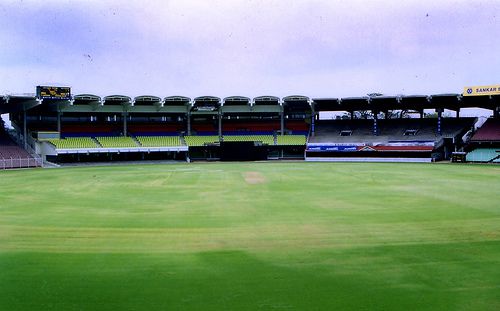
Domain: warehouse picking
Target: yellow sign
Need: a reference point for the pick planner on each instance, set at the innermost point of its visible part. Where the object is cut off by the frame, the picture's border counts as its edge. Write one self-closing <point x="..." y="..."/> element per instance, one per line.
<point x="482" y="90"/>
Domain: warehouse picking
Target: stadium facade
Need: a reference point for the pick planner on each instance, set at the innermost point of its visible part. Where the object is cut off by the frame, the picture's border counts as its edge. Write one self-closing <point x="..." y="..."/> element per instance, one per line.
<point x="58" y="127"/>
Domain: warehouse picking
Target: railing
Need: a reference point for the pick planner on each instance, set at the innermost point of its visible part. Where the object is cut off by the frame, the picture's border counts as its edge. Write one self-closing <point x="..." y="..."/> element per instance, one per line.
<point x="20" y="163"/>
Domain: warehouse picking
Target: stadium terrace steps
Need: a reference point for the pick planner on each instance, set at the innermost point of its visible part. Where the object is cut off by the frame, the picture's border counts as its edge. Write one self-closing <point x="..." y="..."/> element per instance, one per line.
<point x="484" y="155"/>
<point x="171" y="141"/>
<point x="490" y="131"/>
<point x="117" y="142"/>
<point x="160" y="141"/>
<point x="329" y="131"/>
<point x="266" y="139"/>
<point x="14" y="156"/>
<point x="198" y="141"/>
<point x="291" y="140"/>
<point x="74" y="143"/>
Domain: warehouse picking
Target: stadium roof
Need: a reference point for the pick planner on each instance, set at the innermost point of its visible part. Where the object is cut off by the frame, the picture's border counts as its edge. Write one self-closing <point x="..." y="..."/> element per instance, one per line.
<point x="207" y="99"/>
<point x="415" y="102"/>
<point x="87" y="97"/>
<point x="486" y="102"/>
<point x="16" y="103"/>
<point x="453" y="101"/>
<point x="266" y="100"/>
<point x="295" y="98"/>
<point x="116" y="100"/>
<point x="147" y="98"/>
<point x="176" y="100"/>
<point x="236" y="100"/>
<point x="355" y="103"/>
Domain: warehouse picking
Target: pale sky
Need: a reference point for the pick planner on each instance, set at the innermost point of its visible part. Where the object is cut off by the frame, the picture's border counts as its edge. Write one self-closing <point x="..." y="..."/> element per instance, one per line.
<point x="322" y="48"/>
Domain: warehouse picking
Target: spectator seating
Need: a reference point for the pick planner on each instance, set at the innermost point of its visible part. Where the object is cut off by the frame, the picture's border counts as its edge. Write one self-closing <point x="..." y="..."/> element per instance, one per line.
<point x="196" y="141"/>
<point x="266" y="139"/>
<point x="160" y="141"/>
<point x="490" y="131"/>
<point x="238" y="127"/>
<point x="86" y="130"/>
<point x="204" y="128"/>
<point x="297" y="127"/>
<point x="291" y="140"/>
<point x="74" y="143"/>
<point x="155" y="129"/>
<point x="14" y="156"/>
<point x="117" y="142"/>
<point x="484" y="155"/>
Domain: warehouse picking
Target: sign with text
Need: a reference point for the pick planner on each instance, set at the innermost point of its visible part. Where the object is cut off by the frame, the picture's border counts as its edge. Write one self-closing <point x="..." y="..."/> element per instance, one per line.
<point x="482" y="90"/>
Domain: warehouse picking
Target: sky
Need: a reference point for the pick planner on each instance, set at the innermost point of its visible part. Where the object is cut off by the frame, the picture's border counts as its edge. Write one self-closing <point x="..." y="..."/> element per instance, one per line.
<point x="317" y="48"/>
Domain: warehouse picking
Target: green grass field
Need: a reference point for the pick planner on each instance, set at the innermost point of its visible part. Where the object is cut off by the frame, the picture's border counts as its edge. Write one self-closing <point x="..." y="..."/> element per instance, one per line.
<point x="251" y="236"/>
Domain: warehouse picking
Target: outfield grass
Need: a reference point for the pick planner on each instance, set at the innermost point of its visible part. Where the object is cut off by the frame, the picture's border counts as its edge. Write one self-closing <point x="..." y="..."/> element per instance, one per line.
<point x="251" y="236"/>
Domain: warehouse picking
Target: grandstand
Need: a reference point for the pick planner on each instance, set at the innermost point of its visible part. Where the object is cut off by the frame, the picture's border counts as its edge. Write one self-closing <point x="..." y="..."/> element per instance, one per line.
<point x="87" y="127"/>
<point x="485" y="143"/>
<point x="13" y="155"/>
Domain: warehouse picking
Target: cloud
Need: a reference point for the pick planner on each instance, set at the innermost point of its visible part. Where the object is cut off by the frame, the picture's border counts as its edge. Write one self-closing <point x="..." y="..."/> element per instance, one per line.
<point x="327" y="48"/>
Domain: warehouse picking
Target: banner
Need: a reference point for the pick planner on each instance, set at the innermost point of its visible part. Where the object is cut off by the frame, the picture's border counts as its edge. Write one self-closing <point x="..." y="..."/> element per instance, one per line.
<point x="482" y="90"/>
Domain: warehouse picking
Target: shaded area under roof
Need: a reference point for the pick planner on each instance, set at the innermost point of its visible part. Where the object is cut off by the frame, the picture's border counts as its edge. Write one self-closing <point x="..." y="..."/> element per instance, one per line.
<point x="486" y="102"/>
<point x="354" y="103"/>
<point x="326" y="104"/>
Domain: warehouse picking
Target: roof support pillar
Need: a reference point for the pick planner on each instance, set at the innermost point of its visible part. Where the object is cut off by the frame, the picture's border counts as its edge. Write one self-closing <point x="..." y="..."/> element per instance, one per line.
<point x="313" y="117"/>
<point x="219" y="117"/>
<point x="189" y="122"/>
<point x="375" y="123"/>
<point x="439" y="116"/>
<point x="282" y="120"/>
<point x="59" y="113"/>
<point x="458" y="113"/>
<point x="25" y="130"/>
<point x="125" y="124"/>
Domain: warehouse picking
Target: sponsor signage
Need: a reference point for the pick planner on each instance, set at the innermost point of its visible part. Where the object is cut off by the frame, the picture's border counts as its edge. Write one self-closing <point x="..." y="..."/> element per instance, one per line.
<point x="482" y="90"/>
<point x="331" y="148"/>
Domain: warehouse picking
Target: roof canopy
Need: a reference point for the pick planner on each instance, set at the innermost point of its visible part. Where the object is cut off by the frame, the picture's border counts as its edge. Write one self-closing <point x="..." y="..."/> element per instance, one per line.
<point x="236" y="100"/>
<point x="116" y="100"/>
<point x="86" y="97"/>
<point x="145" y="100"/>
<point x="266" y="100"/>
<point x="176" y="100"/>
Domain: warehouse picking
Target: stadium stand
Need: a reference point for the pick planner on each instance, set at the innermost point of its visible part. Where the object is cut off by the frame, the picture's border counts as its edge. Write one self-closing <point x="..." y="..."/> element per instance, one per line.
<point x="265" y="139"/>
<point x="90" y="129"/>
<point x="155" y="129"/>
<point x="74" y="143"/>
<point x="484" y="145"/>
<point x="14" y="156"/>
<point x="159" y="141"/>
<point x="291" y="140"/>
<point x="484" y="155"/>
<point x="489" y="132"/>
<point x="197" y="141"/>
<point x="117" y="142"/>
<point x="177" y="127"/>
<point x="237" y="127"/>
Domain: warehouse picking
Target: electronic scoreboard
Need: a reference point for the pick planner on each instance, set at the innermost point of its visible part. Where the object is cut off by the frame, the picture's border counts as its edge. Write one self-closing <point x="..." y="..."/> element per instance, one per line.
<point x="53" y="92"/>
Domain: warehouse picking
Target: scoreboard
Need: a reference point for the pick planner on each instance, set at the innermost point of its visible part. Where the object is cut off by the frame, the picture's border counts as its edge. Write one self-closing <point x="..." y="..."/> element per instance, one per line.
<point x="53" y="92"/>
